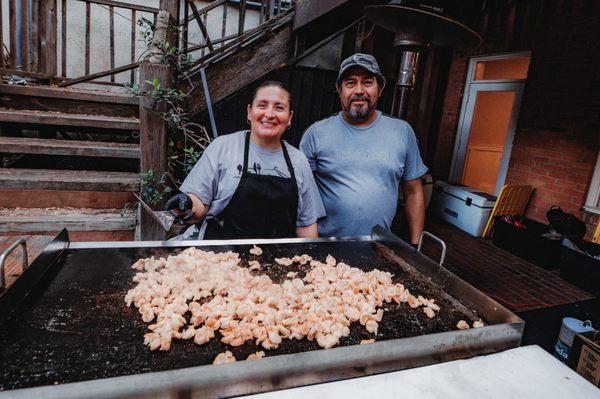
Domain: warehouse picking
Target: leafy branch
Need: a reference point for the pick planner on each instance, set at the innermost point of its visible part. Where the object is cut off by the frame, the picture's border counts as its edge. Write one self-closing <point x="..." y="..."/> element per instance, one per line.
<point x="186" y="140"/>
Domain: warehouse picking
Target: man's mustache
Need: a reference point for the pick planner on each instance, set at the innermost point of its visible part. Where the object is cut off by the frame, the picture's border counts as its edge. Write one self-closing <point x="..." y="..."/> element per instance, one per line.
<point x="360" y="97"/>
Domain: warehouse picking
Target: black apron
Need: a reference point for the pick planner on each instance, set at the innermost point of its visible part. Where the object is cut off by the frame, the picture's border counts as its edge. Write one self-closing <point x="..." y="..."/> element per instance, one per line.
<point x="262" y="206"/>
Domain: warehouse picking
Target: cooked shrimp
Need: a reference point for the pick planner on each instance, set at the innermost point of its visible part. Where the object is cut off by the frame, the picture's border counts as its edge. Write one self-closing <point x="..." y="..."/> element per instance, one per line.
<point x="256" y="355"/>
<point x="256" y="250"/>
<point x="462" y="325"/>
<point x="429" y="312"/>
<point x="478" y="324"/>
<point x="224" y="357"/>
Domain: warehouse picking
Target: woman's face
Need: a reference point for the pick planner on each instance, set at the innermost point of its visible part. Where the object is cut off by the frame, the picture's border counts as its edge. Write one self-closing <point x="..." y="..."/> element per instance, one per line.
<point x="270" y="114"/>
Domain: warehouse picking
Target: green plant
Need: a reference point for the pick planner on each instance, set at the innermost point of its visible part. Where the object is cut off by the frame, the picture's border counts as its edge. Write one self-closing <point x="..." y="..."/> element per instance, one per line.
<point x="186" y="140"/>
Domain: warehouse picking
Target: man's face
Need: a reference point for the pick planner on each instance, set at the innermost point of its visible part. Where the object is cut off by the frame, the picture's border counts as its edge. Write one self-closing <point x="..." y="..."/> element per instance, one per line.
<point x="359" y="92"/>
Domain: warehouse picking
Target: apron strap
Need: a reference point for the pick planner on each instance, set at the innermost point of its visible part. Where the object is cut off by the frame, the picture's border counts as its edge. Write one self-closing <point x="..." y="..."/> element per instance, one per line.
<point x="246" y="148"/>
<point x="286" y="156"/>
<point x="287" y="160"/>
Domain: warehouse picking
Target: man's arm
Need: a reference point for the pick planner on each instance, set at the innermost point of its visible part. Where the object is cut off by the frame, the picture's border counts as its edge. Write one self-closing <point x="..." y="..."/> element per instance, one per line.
<point x="309" y="231"/>
<point x="414" y="207"/>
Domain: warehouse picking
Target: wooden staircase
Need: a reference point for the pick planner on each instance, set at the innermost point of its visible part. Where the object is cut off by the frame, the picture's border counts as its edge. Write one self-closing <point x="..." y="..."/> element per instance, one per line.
<point x="95" y="134"/>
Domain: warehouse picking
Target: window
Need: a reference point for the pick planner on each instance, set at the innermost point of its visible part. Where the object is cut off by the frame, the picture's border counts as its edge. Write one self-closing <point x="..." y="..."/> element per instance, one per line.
<point x="507" y="67"/>
<point x="592" y="204"/>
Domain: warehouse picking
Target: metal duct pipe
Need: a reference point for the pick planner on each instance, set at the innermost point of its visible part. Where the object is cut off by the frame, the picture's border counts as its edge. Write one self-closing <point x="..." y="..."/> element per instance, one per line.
<point x="416" y="26"/>
<point x="407" y="77"/>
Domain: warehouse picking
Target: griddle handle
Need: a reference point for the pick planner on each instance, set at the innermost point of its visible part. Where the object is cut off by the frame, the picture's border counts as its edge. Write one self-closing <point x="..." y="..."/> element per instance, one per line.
<point x="21" y="242"/>
<point x="438" y="240"/>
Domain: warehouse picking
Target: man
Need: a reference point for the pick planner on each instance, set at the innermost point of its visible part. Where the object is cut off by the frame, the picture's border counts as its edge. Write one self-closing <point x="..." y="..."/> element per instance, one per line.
<point x="360" y="156"/>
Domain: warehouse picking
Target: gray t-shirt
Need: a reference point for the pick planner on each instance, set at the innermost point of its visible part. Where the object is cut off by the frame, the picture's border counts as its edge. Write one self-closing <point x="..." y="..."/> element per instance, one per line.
<point x="217" y="174"/>
<point x="358" y="170"/>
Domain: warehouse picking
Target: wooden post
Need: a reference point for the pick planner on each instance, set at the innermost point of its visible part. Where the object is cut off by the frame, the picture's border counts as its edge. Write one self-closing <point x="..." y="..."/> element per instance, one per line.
<point x="48" y="37"/>
<point x="153" y="138"/>
<point x="172" y="7"/>
<point x="153" y="128"/>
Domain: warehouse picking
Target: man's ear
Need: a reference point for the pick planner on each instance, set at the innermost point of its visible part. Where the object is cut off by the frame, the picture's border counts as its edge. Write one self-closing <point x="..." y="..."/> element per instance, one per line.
<point x="338" y="88"/>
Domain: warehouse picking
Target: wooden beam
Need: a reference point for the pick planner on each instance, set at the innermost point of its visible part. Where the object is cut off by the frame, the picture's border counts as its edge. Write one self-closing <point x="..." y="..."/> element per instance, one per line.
<point x="243" y="67"/>
<point x="87" y="38"/>
<point x="3" y="64"/>
<point x="172" y="7"/>
<point x="217" y="41"/>
<point x="133" y="40"/>
<point x="153" y="139"/>
<point x="206" y="9"/>
<point x="64" y="198"/>
<point x="201" y="25"/>
<point x="248" y="36"/>
<point x="18" y="72"/>
<point x="242" y="16"/>
<point x="42" y="220"/>
<point x="12" y="15"/>
<point x="71" y="180"/>
<point x="71" y="94"/>
<point x="76" y="148"/>
<point x="63" y="42"/>
<point x="121" y="4"/>
<point x="48" y="32"/>
<point x="36" y="24"/>
<point x="60" y="119"/>
<point x="99" y="74"/>
<point x="111" y="17"/>
<point x="26" y="34"/>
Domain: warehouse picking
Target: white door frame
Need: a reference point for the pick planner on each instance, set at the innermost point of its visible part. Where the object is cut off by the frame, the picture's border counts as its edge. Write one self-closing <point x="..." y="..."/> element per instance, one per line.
<point x="466" y="116"/>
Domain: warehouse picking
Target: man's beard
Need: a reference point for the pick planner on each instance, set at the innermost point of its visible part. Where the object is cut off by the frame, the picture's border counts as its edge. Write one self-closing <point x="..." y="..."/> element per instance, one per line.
<point x="360" y="113"/>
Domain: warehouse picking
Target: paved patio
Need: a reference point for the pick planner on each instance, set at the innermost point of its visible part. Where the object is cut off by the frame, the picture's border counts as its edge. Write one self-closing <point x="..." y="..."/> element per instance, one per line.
<point x="515" y="283"/>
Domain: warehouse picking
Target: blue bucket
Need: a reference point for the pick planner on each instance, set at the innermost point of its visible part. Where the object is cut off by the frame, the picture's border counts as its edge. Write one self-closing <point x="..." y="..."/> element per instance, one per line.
<point x="568" y="329"/>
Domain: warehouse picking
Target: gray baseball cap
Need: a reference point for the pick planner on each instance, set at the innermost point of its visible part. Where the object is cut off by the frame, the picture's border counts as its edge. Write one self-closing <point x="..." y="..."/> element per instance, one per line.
<point x="366" y="61"/>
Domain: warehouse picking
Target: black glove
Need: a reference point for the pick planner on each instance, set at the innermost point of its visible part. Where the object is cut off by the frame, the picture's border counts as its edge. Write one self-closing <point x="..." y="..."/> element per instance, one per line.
<point x="180" y="206"/>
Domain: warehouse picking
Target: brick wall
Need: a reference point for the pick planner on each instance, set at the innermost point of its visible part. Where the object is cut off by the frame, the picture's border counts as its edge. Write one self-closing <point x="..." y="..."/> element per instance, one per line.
<point x="558" y="131"/>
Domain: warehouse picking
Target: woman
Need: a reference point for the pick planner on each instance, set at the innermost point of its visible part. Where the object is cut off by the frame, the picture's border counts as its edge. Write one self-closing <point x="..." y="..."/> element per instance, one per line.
<point x="251" y="184"/>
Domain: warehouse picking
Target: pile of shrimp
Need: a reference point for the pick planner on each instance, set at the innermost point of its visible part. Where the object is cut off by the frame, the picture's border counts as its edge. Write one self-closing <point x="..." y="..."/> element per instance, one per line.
<point x="217" y="294"/>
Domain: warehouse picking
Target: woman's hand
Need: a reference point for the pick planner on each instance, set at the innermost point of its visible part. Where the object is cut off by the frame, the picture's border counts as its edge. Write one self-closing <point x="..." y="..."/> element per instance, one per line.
<point x="181" y="206"/>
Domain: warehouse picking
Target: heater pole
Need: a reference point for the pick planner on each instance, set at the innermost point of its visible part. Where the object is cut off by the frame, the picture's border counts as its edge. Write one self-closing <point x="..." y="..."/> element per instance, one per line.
<point x="407" y="77"/>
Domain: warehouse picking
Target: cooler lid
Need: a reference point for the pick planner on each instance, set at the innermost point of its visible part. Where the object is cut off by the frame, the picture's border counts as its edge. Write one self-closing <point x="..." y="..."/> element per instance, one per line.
<point x="467" y="194"/>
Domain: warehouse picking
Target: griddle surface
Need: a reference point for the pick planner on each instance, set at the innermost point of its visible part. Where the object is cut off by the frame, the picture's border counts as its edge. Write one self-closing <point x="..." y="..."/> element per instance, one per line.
<point x="79" y="327"/>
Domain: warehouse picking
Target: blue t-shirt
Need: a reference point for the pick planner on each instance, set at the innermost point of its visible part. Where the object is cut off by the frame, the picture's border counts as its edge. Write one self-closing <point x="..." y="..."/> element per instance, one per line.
<point x="216" y="176"/>
<point x="358" y="170"/>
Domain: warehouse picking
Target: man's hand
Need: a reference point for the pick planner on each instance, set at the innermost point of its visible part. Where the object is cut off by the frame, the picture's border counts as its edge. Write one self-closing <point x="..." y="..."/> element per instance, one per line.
<point x="180" y="206"/>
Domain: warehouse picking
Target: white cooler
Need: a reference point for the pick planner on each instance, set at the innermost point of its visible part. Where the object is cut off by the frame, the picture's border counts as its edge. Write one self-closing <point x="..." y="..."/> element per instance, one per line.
<point x="462" y="206"/>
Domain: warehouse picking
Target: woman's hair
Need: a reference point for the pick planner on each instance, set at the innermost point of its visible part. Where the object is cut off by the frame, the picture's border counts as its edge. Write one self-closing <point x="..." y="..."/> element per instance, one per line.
<point x="272" y="83"/>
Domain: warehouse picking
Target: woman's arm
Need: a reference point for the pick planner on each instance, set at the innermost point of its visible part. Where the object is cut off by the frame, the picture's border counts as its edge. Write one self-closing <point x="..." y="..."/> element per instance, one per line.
<point x="199" y="209"/>
<point x="309" y="231"/>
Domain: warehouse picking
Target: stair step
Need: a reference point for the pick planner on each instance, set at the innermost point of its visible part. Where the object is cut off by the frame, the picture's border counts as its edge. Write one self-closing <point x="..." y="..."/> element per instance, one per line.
<point x="65" y="93"/>
<point x="69" y="100"/>
<point x="73" y="180"/>
<point x="63" y="119"/>
<point x="55" y="219"/>
<point x="64" y="198"/>
<point x="19" y="145"/>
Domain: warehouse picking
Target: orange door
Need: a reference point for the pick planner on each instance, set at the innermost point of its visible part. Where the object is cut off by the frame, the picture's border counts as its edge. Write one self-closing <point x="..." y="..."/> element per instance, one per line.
<point x="489" y="129"/>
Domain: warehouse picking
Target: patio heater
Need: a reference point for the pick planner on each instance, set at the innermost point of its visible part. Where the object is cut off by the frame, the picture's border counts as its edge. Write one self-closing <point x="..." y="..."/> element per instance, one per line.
<point x="417" y="26"/>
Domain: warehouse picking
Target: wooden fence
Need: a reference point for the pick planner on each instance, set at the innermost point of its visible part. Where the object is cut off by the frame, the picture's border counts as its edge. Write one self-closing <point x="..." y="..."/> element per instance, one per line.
<point x="38" y="34"/>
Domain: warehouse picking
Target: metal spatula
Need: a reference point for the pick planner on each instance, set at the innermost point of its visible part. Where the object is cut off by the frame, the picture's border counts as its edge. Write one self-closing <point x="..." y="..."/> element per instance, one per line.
<point x="166" y="219"/>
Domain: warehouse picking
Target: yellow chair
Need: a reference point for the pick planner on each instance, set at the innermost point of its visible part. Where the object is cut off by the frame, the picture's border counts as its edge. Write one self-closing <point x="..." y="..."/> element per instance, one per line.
<point x="596" y="236"/>
<point x="512" y="201"/>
